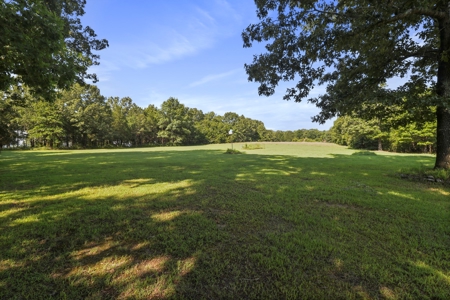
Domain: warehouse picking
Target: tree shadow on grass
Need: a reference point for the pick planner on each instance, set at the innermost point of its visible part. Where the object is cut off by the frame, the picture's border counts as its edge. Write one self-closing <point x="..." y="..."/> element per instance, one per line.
<point x="102" y="248"/>
<point x="202" y="225"/>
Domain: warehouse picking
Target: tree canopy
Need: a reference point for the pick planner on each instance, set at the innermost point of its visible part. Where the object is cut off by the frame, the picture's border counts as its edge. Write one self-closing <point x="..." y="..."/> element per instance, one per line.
<point x="353" y="48"/>
<point x="44" y="45"/>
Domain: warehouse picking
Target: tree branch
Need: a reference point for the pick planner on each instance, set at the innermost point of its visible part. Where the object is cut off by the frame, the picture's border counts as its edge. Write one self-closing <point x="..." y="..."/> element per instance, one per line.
<point x="418" y="11"/>
<point x="420" y="53"/>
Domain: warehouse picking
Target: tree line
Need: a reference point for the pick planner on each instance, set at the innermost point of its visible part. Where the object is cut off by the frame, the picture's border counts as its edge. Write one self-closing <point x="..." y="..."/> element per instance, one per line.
<point x="357" y="133"/>
<point x="391" y="128"/>
<point x="80" y="117"/>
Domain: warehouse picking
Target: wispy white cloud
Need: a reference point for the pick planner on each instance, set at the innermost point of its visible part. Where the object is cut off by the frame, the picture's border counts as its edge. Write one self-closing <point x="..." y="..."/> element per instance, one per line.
<point x="213" y="77"/>
<point x="192" y="29"/>
<point x="225" y="9"/>
<point x="205" y="14"/>
<point x="200" y="29"/>
<point x="174" y="45"/>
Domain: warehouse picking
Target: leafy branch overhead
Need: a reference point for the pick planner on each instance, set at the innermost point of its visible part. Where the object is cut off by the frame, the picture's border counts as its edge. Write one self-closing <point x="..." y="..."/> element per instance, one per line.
<point x="352" y="49"/>
<point x="44" y="45"/>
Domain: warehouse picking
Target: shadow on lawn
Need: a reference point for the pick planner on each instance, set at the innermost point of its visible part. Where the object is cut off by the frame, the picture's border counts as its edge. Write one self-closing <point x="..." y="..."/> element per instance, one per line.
<point x="202" y="225"/>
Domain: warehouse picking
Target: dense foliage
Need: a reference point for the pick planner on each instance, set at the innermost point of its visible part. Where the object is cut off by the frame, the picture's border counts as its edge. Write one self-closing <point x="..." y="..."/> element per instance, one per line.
<point x="375" y="135"/>
<point x="353" y="48"/>
<point x="390" y="128"/>
<point x="44" y="45"/>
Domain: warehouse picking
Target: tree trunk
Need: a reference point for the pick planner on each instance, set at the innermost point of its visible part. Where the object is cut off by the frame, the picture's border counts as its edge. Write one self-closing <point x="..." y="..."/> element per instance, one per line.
<point x="443" y="90"/>
<point x="443" y="139"/>
<point x="380" y="145"/>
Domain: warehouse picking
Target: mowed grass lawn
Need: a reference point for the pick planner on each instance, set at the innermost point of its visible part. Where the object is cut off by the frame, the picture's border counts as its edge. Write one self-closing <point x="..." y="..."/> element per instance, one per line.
<point x="290" y="221"/>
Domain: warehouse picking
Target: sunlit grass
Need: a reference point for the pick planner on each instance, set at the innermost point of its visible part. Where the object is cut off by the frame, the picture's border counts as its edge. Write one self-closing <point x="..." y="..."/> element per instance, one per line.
<point x="286" y="221"/>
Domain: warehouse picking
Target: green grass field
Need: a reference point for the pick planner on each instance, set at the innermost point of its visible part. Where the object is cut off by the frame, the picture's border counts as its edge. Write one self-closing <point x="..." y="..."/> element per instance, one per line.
<point x="290" y="221"/>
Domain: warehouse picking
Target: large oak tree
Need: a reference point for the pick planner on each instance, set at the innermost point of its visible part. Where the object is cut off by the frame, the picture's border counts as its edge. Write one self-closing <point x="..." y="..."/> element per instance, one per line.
<point x="353" y="47"/>
<point x="44" y="45"/>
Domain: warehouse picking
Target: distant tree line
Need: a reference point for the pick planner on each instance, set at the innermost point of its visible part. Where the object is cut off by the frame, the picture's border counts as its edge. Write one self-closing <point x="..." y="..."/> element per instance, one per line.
<point x="81" y="117"/>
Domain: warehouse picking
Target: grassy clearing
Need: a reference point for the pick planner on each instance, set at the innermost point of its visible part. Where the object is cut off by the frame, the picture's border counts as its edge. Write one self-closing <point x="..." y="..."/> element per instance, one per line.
<point x="288" y="221"/>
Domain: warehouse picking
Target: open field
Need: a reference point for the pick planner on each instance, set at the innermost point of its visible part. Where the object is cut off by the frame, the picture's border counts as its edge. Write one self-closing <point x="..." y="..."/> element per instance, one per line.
<point x="290" y="221"/>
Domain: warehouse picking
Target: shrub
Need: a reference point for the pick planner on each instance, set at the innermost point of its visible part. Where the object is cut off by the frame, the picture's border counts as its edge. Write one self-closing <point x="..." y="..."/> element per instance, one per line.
<point x="364" y="153"/>
<point x="252" y="146"/>
<point x="233" y="151"/>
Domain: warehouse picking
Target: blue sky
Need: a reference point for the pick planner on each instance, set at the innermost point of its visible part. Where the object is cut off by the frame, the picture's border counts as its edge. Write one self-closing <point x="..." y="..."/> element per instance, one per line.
<point x="191" y="50"/>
